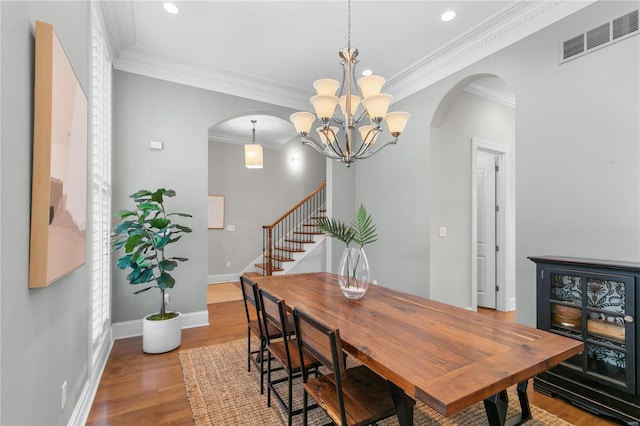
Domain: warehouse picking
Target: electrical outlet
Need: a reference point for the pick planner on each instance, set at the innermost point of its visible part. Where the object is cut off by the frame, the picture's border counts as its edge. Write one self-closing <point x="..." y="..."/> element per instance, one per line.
<point x="167" y="298"/>
<point x="63" y="392"/>
<point x="228" y="264"/>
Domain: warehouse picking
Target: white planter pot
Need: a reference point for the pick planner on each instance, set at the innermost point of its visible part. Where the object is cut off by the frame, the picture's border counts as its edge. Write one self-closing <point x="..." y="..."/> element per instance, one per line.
<point x="161" y="336"/>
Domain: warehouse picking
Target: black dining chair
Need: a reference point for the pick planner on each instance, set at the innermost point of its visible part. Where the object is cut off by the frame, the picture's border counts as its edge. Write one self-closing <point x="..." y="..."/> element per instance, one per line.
<point x="354" y="396"/>
<point x="285" y="351"/>
<point x="255" y="326"/>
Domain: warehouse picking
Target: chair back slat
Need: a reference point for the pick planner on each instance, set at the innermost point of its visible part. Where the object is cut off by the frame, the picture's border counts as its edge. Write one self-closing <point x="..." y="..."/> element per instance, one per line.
<point x="250" y="297"/>
<point x="275" y="314"/>
<point x="271" y="310"/>
<point x="320" y="341"/>
<point x="248" y="290"/>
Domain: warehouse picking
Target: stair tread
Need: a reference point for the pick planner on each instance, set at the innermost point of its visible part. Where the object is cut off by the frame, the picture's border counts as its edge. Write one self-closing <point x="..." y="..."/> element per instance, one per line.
<point x="281" y="258"/>
<point x="294" y="240"/>
<point x="307" y="233"/>
<point x="290" y="249"/>
<point x="261" y="266"/>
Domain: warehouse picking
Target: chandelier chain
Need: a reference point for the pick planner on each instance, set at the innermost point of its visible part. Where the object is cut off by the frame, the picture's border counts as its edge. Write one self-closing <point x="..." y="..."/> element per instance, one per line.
<point x="349" y="25"/>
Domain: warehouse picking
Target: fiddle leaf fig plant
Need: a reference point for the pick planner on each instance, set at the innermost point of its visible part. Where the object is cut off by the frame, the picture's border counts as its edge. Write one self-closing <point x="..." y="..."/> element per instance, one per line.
<point x="144" y="233"/>
<point x="362" y="230"/>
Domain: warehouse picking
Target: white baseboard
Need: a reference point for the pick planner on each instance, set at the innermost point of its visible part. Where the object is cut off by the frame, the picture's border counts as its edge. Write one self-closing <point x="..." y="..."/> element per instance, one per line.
<point x="124" y="329"/>
<point x="83" y="406"/>
<point x="224" y="278"/>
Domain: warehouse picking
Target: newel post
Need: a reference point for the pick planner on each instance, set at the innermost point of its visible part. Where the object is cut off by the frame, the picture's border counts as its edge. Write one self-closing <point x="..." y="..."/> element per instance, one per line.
<point x="268" y="251"/>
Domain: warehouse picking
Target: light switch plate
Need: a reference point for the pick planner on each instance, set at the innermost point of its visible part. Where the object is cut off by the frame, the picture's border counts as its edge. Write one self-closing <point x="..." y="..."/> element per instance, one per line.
<point x="155" y="145"/>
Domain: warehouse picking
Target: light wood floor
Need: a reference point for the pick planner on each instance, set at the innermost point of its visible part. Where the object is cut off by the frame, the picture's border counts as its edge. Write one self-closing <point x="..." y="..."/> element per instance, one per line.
<point x="139" y="389"/>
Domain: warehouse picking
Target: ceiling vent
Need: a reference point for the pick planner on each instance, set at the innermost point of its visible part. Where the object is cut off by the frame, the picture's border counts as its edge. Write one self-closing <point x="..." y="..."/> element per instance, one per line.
<point x="602" y="35"/>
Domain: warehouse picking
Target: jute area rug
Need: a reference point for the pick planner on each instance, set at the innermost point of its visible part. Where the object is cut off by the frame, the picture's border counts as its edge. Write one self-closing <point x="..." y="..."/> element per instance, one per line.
<point x="222" y="392"/>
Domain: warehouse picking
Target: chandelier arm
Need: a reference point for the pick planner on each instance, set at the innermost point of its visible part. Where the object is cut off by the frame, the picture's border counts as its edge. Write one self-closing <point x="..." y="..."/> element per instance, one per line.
<point x="308" y="140"/>
<point x="344" y="75"/>
<point x="363" y="114"/>
<point x="337" y="151"/>
<point x="338" y="120"/>
<point x="372" y="153"/>
<point x="362" y="149"/>
<point x="335" y="145"/>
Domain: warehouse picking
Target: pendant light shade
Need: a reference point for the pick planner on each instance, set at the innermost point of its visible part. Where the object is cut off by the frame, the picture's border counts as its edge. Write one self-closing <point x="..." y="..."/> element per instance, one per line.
<point x="253" y="152"/>
<point x="253" y="156"/>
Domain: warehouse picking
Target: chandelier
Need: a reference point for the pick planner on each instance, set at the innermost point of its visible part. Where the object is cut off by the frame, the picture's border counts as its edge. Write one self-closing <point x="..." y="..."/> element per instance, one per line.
<point x="253" y="152"/>
<point x="356" y="104"/>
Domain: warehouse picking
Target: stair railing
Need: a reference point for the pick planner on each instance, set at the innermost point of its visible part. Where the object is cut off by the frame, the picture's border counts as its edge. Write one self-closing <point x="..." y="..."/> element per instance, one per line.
<point x="292" y="230"/>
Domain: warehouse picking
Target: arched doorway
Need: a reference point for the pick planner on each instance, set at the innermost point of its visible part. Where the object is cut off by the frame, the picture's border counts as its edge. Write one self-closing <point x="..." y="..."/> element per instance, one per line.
<point x="474" y="120"/>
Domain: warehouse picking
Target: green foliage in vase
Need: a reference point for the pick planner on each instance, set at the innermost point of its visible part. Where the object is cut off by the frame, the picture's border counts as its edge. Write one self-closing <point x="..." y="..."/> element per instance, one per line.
<point x="361" y="231"/>
<point x="144" y="233"/>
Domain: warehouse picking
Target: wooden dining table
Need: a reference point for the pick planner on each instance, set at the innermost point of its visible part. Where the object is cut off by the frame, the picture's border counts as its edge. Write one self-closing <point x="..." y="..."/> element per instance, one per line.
<point x="448" y="357"/>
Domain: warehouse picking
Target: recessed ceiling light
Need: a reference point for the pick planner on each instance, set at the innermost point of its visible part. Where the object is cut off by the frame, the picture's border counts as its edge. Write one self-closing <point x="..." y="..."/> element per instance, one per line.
<point x="171" y="8"/>
<point x="447" y="16"/>
<point x="367" y="72"/>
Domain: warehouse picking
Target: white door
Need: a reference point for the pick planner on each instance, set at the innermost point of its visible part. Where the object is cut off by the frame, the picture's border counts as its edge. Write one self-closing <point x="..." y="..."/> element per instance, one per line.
<point x="486" y="228"/>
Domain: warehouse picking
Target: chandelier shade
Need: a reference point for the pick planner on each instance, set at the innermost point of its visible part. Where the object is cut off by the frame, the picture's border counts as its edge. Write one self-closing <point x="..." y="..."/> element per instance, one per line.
<point x="326" y="86"/>
<point x="324" y="105"/>
<point x="396" y="122"/>
<point x="357" y="102"/>
<point x="377" y="106"/>
<point x="302" y="121"/>
<point x="370" y="85"/>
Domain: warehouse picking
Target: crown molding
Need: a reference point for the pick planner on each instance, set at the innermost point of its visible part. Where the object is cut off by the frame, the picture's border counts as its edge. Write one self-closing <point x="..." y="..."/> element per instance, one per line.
<point x="151" y="64"/>
<point x="119" y="36"/>
<point x="510" y="25"/>
<point x="241" y="140"/>
<point x="491" y="93"/>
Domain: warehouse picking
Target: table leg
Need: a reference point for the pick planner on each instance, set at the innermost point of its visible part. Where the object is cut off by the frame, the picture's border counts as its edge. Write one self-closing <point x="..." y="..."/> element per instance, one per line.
<point x="496" y="407"/>
<point x="403" y="411"/>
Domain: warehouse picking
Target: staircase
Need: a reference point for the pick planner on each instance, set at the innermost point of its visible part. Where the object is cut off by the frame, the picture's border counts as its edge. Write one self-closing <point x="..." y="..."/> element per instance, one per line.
<point x="293" y="235"/>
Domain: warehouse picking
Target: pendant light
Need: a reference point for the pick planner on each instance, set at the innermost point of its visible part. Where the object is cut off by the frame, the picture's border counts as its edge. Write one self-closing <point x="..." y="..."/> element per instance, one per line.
<point x="253" y="152"/>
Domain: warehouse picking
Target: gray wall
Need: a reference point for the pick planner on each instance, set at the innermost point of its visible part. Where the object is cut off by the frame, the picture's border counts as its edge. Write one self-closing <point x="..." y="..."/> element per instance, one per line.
<point x="341" y="206"/>
<point x="45" y="335"/>
<point x="467" y="116"/>
<point x="180" y="116"/>
<point x="395" y="187"/>
<point x="577" y="176"/>
<point x="255" y="197"/>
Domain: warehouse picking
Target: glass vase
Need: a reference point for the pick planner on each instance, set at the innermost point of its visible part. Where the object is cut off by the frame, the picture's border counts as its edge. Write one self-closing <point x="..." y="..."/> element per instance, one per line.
<point x="354" y="273"/>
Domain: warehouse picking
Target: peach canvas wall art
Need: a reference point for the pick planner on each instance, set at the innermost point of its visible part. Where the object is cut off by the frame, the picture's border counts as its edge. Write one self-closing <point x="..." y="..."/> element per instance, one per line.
<point x="59" y="190"/>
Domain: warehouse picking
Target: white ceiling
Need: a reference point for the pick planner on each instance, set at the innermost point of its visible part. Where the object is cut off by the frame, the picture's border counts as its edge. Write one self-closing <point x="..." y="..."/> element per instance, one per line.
<point x="272" y="51"/>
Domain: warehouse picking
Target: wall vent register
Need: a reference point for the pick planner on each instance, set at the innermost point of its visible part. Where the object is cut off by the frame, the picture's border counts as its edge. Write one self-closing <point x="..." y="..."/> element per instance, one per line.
<point x="602" y="35"/>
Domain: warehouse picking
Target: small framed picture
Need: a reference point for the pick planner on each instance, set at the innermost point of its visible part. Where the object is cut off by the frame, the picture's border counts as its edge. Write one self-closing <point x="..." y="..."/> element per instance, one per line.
<point x="216" y="212"/>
